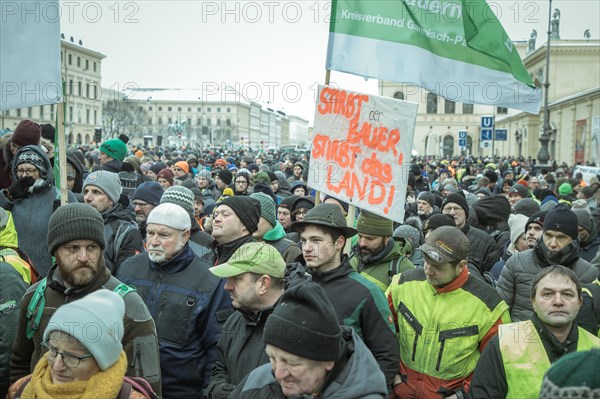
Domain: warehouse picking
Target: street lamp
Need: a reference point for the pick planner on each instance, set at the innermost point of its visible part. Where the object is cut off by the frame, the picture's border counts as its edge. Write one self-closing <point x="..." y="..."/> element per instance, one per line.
<point x="543" y="155"/>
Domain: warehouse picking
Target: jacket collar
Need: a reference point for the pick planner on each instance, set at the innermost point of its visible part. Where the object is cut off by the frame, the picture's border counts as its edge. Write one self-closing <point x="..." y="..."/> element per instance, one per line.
<point x="56" y="282"/>
<point x="225" y="251"/>
<point x="455" y="284"/>
<point x="342" y="270"/>
<point x="176" y="264"/>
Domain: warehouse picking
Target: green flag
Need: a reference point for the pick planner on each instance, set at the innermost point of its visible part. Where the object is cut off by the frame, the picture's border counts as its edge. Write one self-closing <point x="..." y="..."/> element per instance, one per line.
<point x="456" y="49"/>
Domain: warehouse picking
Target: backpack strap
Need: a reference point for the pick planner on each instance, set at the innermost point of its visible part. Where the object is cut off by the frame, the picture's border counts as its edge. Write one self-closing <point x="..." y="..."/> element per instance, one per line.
<point x="125" y="390"/>
<point x="22" y="388"/>
<point x="38" y="298"/>
<point x="119" y="237"/>
<point x="123" y="289"/>
<point x="140" y="385"/>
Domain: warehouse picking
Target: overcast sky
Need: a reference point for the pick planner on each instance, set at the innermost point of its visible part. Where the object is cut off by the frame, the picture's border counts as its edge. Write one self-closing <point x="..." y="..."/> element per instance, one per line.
<point x="273" y="51"/>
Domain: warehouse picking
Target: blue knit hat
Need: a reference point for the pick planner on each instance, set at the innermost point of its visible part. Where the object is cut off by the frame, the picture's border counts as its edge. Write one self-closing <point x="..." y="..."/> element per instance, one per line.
<point x="149" y="192"/>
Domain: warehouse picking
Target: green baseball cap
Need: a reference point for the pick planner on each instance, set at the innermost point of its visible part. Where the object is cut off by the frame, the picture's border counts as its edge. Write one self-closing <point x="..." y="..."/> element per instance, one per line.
<point x="253" y="257"/>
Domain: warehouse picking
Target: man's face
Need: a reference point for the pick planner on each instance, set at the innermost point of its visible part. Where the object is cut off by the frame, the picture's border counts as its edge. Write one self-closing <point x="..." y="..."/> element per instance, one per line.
<point x="227" y="226"/>
<point x="556" y="301"/>
<point x="142" y="210"/>
<point x="164" y="242"/>
<point x="533" y="233"/>
<point x="241" y="184"/>
<point x="370" y="246"/>
<point x="274" y="185"/>
<point x="319" y="250"/>
<point x="533" y="183"/>
<point x="202" y="182"/>
<point x="298" y="171"/>
<point x="103" y="158"/>
<point x="243" y="289"/>
<point x="583" y="234"/>
<point x="96" y="198"/>
<point x="423" y="208"/>
<point x="219" y="183"/>
<point x="198" y="206"/>
<point x="79" y="261"/>
<point x="151" y="175"/>
<point x="177" y="171"/>
<point x="299" y="191"/>
<point x="440" y="275"/>
<point x="258" y="161"/>
<point x="457" y="212"/>
<point x="263" y="228"/>
<point x="513" y="198"/>
<point x="555" y="240"/>
<point x="164" y="183"/>
<point x="297" y="375"/>
<point x="284" y="217"/>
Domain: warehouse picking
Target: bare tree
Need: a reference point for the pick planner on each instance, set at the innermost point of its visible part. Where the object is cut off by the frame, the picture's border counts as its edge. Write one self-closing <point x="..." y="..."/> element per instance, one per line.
<point x="121" y="116"/>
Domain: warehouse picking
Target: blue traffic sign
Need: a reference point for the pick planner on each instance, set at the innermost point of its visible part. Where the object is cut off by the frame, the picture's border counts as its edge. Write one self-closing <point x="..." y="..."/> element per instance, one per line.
<point x="487" y="122"/>
<point x="486" y="134"/>
<point x="501" y="134"/>
<point x="462" y="143"/>
<point x="462" y="134"/>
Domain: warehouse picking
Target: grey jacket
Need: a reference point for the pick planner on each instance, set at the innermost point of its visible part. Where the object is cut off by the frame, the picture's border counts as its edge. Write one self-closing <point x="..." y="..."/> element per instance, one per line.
<point x="358" y="377"/>
<point x="514" y="285"/>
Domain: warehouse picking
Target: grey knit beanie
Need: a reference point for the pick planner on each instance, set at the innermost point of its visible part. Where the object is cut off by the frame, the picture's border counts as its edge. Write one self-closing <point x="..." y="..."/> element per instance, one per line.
<point x="75" y="221"/>
<point x="181" y="196"/>
<point x="108" y="182"/>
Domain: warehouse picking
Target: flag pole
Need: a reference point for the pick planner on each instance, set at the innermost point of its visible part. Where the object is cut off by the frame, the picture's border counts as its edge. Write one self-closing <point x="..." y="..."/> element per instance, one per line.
<point x="62" y="155"/>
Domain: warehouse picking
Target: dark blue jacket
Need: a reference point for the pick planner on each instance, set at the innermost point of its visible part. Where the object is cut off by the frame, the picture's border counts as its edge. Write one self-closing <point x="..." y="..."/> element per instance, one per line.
<point x="183" y="297"/>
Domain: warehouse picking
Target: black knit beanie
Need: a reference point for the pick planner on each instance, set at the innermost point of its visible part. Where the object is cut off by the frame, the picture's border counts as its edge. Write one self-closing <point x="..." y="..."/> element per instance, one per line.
<point x="75" y="221"/>
<point x="537" y="218"/>
<point x="459" y="199"/>
<point x="562" y="219"/>
<point x="225" y="175"/>
<point x="247" y="210"/>
<point x="305" y="324"/>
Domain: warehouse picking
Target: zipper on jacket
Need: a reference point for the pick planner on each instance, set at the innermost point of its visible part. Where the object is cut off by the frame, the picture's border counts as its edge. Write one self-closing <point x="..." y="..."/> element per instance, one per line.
<point x="137" y="361"/>
<point x="439" y="360"/>
<point x="414" y="323"/>
<point x="161" y="307"/>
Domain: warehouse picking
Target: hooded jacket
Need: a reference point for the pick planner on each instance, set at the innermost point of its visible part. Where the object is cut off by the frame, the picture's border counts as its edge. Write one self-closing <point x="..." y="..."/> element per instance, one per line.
<point x="123" y="238"/>
<point x="383" y="265"/>
<point x="589" y="248"/>
<point x="139" y="340"/>
<point x="514" y="285"/>
<point x="288" y="249"/>
<point x="32" y="213"/>
<point x="354" y="375"/>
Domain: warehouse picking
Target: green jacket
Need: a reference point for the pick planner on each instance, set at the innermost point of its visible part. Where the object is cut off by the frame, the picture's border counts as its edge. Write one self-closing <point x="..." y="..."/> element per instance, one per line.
<point x="391" y="261"/>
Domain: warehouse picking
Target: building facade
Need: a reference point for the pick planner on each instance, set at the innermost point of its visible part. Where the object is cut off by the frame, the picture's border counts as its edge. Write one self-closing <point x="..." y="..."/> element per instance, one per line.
<point x="574" y="104"/>
<point x="82" y="75"/>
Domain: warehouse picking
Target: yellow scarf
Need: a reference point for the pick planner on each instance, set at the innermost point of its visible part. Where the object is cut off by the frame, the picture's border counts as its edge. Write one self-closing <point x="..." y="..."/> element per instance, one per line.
<point x="104" y="384"/>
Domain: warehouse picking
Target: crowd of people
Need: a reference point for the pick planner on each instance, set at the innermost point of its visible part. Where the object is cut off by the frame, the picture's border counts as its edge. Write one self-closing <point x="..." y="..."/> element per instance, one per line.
<point x="191" y="273"/>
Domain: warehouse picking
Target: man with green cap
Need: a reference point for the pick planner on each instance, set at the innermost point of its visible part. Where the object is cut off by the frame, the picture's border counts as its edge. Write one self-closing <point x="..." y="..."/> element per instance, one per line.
<point x="254" y="276"/>
<point x="112" y="154"/>
<point x="358" y="303"/>
<point x="376" y="256"/>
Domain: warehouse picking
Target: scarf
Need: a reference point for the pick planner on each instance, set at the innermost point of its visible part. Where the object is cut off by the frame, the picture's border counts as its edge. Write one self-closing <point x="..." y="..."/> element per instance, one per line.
<point x="104" y="384"/>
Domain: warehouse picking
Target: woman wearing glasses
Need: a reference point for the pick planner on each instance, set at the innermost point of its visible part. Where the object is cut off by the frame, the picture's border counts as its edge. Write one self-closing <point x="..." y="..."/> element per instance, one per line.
<point x="84" y="356"/>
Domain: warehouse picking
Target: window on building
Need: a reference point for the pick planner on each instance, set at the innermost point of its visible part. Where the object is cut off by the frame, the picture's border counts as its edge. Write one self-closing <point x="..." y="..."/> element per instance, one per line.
<point x="218" y="109"/>
<point x="70" y="114"/>
<point x="228" y="122"/>
<point x="79" y="89"/>
<point x="449" y="107"/>
<point x="228" y="109"/>
<point x="149" y="108"/>
<point x="399" y="95"/>
<point x="94" y="65"/>
<point x="170" y="109"/>
<point x="19" y="112"/>
<point x="218" y="122"/>
<point x="432" y="103"/>
<point x="79" y="62"/>
<point x="199" y="121"/>
<point x="170" y="121"/>
<point x="502" y="110"/>
<point x="160" y="108"/>
<point x="70" y="58"/>
<point x="160" y="121"/>
<point x="198" y="109"/>
<point x="41" y="112"/>
<point x="150" y="121"/>
<point x="87" y="64"/>
<point x="95" y="118"/>
<point x="189" y="109"/>
<point x="208" y="109"/>
<point x="95" y="92"/>
<point x="87" y="116"/>
<point x="87" y="90"/>
<point x="208" y="122"/>
<point x="71" y="87"/>
<point x="30" y="112"/>
<point x="178" y="109"/>
<point x="467" y="108"/>
<point x="189" y="121"/>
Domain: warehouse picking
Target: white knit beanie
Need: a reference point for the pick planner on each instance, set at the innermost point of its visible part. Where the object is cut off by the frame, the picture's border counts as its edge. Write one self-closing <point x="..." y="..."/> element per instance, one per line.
<point x="170" y="215"/>
<point x="517" y="223"/>
<point x="96" y="320"/>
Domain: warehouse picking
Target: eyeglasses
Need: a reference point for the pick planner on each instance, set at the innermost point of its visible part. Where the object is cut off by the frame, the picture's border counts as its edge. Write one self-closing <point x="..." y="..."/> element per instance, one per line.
<point x="28" y="172"/>
<point x="449" y="209"/>
<point x="70" y="360"/>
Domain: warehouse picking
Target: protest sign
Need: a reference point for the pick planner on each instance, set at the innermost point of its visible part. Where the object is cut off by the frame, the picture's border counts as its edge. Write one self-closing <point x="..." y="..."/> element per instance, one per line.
<point x="361" y="150"/>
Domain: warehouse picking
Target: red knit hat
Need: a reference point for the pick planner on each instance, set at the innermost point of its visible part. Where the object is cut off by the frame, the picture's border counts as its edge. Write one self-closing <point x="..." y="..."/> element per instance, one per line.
<point x="27" y="133"/>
